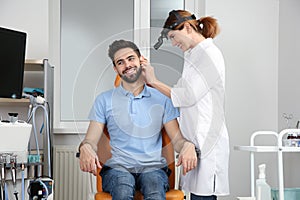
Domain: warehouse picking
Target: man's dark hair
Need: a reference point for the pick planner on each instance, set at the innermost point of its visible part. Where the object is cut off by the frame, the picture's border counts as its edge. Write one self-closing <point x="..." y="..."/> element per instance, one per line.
<point x="121" y="44"/>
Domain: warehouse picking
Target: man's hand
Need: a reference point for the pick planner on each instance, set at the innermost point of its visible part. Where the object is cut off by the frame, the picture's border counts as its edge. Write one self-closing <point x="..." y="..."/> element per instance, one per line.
<point x="187" y="157"/>
<point x="89" y="161"/>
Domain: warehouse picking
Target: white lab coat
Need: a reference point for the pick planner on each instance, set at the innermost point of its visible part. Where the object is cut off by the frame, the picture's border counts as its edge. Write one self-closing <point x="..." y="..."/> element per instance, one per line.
<point x="199" y="94"/>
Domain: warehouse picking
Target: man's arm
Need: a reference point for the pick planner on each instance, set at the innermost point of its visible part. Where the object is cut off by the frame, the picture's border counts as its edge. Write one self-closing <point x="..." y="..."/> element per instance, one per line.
<point x="187" y="154"/>
<point x="89" y="161"/>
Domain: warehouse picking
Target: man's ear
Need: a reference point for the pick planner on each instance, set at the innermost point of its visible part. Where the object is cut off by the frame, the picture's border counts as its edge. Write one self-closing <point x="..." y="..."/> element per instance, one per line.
<point x="115" y="69"/>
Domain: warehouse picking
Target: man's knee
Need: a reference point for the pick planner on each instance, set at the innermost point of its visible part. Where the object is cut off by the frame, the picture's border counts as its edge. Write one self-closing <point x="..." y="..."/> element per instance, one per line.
<point x="120" y="184"/>
<point x="154" y="184"/>
<point x="123" y="191"/>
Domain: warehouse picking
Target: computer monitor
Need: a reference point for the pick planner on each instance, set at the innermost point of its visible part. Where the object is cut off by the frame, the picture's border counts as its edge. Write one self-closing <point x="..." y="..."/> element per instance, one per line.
<point x="12" y="59"/>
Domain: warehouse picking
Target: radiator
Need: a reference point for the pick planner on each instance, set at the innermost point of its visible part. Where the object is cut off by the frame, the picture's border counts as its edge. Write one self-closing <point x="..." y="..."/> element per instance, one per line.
<point x="70" y="183"/>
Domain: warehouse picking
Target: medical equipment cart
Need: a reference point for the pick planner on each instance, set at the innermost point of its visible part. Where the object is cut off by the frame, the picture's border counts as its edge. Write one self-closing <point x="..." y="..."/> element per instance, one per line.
<point x="279" y="149"/>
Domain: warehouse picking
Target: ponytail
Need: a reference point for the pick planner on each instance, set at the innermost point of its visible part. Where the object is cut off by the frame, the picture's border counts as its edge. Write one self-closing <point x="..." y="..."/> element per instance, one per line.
<point x="208" y="27"/>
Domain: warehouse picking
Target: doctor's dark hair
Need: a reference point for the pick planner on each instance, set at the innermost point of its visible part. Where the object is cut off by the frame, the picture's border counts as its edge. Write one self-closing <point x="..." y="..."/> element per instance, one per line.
<point x="121" y="44"/>
<point x="206" y="26"/>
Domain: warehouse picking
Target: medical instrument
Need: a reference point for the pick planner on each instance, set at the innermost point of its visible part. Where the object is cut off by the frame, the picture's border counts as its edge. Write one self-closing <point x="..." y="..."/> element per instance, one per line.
<point x="13" y="169"/>
<point x="8" y="161"/>
<point x="166" y="29"/>
<point x="40" y="189"/>
<point x="35" y="104"/>
<point x="15" y="136"/>
<point x="13" y="117"/>
<point x="14" y="147"/>
<point x="23" y="181"/>
<point x="3" y="163"/>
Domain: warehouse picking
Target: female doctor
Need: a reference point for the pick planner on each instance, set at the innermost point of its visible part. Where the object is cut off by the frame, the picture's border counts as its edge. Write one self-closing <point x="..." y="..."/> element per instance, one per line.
<point x="199" y="94"/>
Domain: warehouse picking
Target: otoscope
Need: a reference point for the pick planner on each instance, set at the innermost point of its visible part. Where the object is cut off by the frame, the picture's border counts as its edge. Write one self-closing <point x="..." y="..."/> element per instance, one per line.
<point x="13" y="168"/>
<point x="160" y="41"/>
<point x="2" y="177"/>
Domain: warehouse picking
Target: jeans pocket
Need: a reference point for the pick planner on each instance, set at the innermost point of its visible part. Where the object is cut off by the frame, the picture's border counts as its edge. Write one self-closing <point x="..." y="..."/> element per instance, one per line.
<point x="168" y="172"/>
<point x="104" y="170"/>
<point x="103" y="174"/>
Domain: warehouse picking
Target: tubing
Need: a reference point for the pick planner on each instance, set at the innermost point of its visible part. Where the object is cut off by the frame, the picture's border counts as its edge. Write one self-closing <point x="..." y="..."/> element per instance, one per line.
<point x="31" y="116"/>
<point x="47" y="133"/>
<point x="23" y="183"/>
<point x="5" y="192"/>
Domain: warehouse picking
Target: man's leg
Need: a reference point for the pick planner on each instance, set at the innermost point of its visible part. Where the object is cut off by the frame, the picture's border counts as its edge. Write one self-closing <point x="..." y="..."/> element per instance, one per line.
<point x="196" y="197"/>
<point x="153" y="184"/>
<point x="120" y="184"/>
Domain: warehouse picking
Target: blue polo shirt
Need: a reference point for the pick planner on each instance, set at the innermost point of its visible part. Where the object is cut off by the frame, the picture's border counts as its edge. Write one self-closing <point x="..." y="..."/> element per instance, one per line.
<point x="134" y="125"/>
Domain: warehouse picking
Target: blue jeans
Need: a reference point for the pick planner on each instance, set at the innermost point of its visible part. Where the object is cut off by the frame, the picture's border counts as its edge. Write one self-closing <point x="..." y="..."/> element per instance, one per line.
<point x="196" y="197"/>
<point x="122" y="184"/>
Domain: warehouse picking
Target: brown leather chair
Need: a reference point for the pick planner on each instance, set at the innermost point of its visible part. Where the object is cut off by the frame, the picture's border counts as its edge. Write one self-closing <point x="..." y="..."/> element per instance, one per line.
<point x="104" y="153"/>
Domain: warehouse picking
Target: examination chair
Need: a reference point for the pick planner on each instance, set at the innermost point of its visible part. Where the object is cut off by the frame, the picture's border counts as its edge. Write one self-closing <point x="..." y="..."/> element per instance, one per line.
<point x="104" y="153"/>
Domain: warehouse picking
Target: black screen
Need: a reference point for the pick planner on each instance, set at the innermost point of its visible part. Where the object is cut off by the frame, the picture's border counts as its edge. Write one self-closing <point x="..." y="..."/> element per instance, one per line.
<point x="12" y="59"/>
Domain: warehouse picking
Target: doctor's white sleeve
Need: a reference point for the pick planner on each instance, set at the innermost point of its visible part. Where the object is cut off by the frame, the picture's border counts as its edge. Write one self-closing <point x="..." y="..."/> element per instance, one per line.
<point x="188" y="91"/>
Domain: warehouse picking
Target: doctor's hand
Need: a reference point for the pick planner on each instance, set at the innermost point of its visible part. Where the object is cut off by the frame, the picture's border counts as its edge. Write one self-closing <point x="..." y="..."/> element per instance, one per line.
<point x="148" y="71"/>
<point x="89" y="161"/>
<point x="187" y="158"/>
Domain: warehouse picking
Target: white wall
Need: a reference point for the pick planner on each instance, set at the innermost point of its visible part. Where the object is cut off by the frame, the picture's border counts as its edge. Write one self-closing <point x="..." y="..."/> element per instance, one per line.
<point x="289" y="72"/>
<point x="30" y="16"/>
<point x="289" y="61"/>
<point x="249" y="41"/>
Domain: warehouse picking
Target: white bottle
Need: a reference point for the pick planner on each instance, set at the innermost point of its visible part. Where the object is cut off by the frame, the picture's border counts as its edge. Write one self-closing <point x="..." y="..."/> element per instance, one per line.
<point x="263" y="190"/>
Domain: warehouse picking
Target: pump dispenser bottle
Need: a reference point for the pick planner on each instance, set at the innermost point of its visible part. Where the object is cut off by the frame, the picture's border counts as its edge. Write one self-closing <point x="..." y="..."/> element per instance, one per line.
<point x="263" y="190"/>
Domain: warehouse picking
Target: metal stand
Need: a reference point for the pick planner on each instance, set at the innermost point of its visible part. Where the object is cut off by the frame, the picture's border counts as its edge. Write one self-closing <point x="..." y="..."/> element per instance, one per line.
<point x="279" y="149"/>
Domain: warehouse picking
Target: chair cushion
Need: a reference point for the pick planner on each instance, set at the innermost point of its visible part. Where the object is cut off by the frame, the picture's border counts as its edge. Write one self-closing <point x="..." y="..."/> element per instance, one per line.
<point x="102" y="196"/>
<point x="174" y="194"/>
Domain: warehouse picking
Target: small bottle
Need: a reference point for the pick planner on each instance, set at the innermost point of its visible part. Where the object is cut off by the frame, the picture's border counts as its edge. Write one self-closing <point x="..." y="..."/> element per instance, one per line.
<point x="13" y="117"/>
<point x="294" y="142"/>
<point x="298" y="139"/>
<point x="263" y="190"/>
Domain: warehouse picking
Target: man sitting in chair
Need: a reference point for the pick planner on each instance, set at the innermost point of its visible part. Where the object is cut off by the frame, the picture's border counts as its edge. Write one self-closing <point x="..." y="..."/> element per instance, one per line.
<point x="134" y="115"/>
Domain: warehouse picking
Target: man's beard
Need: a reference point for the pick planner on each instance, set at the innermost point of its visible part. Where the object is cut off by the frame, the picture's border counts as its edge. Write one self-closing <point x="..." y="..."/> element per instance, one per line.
<point x="132" y="78"/>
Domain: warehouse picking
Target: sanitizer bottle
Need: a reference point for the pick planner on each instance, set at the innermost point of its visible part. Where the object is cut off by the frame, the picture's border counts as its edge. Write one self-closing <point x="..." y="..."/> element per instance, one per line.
<point x="263" y="190"/>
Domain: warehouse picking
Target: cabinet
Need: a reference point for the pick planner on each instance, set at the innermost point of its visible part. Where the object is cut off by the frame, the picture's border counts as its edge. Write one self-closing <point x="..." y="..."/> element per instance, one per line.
<point x="279" y="149"/>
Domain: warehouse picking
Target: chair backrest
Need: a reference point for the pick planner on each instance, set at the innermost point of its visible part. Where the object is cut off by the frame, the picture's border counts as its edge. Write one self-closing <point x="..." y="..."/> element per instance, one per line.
<point x="104" y="152"/>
